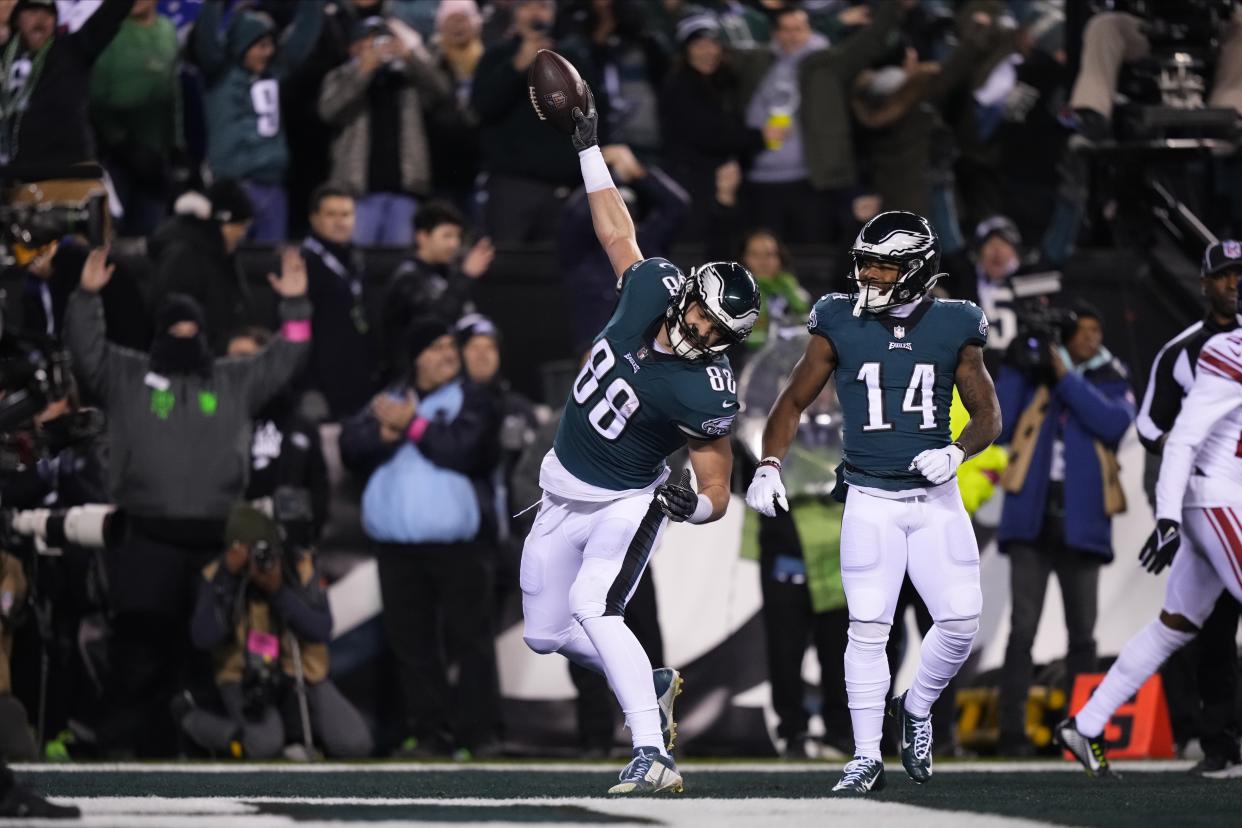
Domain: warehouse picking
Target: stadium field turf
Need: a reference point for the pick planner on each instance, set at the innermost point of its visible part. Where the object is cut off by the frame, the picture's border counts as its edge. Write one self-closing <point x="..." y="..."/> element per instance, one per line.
<point x="962" y="795"/>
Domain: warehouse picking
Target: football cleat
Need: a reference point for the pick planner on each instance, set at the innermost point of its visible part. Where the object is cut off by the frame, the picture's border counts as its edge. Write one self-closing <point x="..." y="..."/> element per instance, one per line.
<point x="667" y="688"/>
<point x="648" y="772"/>
<point x="1088" y="751"/>
<point x="861" y="776"/>
<point x="916" y="740"/>
<point x="1215" y="766"/>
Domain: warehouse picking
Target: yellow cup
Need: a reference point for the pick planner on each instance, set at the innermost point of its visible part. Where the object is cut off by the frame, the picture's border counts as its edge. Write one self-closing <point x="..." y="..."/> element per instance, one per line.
<point x="778" y="119"/>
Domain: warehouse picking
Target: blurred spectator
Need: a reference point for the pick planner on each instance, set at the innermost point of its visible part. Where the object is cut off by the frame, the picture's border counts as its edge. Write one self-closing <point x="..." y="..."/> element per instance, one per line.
<point x="195" y="254"/>
<point x="242" y="70"/>
<point x="49" y="274"/>
<point x="286" y="455"/>
<point x="431" y="281"/>
<point x="658" y="206"/>
<point x="903" y="142"/>
<point x="779" y="179"/>
<point x="179" y="435"/>
<point x="998" y="256"/>
<point x="784" y="300"/>
<point x="452" y="124"/>
<point x="1030" y="138"/>
<point x="376" y="100"/>
<point x="702" y="118"/>
<point x="427" y="448"/>
<point x="741" y="25"/>
<point x="309" y="136"/>
<point x="1112" y="38"/>
<point x="479" y="341"/>
<point x="796" y="92"/>
<point x="256" y="605"/>
<point x="135" y="107"/>
<point x="528" y="173"/>
<point x="627" y="63"/>
<point x="344" y="362"/>
<point x="44" y="125"/>
<point x="1063" y="421"/>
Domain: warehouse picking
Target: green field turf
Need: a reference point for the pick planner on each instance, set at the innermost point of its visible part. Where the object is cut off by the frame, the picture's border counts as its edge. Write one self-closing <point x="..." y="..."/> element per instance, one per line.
<point x="716" y="794"/>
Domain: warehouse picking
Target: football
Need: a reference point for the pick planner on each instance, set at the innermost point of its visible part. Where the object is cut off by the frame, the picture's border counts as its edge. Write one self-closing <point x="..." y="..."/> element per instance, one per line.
<point x="555" y="89"/>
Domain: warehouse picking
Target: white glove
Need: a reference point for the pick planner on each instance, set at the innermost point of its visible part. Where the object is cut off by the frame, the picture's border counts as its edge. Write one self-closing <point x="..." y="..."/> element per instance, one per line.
<point x="939" y="465"/>
<point x="766" y="491"/>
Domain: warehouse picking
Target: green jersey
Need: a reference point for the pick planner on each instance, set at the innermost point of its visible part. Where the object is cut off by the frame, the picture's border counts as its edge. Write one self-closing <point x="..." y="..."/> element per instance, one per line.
<point x="631" y="406"/>
<point x="895" y="382"/>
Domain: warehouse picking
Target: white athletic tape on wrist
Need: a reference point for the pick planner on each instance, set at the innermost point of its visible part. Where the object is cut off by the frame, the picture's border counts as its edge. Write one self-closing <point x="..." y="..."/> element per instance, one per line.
<point x="595" y="173"/>
<point x="703" y="511"/>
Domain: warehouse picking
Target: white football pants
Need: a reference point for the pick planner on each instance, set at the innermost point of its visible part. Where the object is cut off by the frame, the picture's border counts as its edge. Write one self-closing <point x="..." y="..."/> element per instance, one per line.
<point x="580" y="566"/>
<point x="931" y="538"/>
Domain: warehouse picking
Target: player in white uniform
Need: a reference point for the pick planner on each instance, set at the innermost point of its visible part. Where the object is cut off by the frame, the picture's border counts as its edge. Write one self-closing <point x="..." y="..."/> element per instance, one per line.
<point x="1199" y="494"/>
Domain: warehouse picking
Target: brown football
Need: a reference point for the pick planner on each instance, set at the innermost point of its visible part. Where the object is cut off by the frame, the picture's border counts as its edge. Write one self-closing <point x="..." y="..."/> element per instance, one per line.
<point x="555" y="89"/>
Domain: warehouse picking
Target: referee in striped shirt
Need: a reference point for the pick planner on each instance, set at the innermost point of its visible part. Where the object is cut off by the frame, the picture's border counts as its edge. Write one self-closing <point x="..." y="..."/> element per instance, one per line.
<point x="1213" y="659"/>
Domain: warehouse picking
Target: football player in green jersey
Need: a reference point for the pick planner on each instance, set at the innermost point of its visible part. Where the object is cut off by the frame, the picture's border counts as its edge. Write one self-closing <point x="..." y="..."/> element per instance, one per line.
<point x="896" y="353"/>
<point x="655" y="380"/>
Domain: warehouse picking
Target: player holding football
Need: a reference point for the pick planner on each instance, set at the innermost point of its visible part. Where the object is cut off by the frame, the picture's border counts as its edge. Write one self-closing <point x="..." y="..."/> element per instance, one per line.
<point x="896" y="353"/>
<point x="1198" y="489"/>
<point x="655" y="380"/>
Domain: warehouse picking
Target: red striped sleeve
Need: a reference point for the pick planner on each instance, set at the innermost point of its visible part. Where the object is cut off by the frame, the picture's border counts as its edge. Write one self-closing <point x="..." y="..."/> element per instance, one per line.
<point x="1217" y="364"/>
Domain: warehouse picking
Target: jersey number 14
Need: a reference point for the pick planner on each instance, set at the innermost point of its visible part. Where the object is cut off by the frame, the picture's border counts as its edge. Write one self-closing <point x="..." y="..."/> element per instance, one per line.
<point x="920" y="396"/>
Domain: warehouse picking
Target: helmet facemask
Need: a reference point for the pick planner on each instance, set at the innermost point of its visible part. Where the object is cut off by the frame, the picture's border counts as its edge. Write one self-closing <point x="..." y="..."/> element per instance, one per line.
<point x="684" y="337"/>
<point x="877" y="297"/>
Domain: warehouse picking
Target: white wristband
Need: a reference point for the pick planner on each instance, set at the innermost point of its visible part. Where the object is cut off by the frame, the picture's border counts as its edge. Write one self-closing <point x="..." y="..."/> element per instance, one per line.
<point x="595" y="173"/>
<point x="703" y="511"/>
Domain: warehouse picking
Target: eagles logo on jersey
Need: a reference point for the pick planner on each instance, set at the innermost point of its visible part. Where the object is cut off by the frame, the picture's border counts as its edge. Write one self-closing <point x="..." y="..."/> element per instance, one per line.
<point x="896" y="238"/>
<point x="631" y="406"/>
<point x="894" y="381"/>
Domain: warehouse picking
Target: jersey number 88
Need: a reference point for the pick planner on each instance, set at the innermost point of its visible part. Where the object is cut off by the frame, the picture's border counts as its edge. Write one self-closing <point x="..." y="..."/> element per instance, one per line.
<point x="612" y="413"/>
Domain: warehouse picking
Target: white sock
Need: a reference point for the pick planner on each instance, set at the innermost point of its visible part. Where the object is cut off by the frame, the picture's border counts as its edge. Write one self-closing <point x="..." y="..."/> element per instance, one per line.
<point x="944" y="651"/>
<point x="581" y="651"/>
<point x="1139" y="659"/>
<point x="629" y="674"/>
<point x="866" y="685"/>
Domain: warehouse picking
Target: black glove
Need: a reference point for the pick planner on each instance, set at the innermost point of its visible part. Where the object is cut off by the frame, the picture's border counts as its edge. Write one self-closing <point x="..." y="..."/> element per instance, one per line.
<point x="1161" y="546"/>
<point x="677" y="500"/>
<point x="586" y="125"/>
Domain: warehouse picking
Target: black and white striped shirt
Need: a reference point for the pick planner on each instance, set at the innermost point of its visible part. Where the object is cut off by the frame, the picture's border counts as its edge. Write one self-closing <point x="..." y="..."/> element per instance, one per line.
<point x="1172" y="373"/>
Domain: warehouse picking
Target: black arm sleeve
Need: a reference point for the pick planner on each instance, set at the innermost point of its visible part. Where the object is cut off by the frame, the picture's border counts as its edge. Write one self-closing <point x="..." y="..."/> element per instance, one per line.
<point x="362" y="449"/>
<point x="99" y="29"/>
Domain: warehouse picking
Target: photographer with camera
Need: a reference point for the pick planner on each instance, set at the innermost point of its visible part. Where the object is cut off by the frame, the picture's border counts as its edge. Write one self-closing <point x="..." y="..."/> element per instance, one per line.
<point x="1065" y="403"/>
<point x="376" y="101"/>
<point x="179" y="425"/>
<point x="264" y="616"/>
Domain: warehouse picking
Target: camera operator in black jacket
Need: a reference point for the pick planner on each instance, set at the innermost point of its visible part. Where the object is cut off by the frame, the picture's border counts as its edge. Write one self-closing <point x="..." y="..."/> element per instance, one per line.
<point x="264" y="616"/>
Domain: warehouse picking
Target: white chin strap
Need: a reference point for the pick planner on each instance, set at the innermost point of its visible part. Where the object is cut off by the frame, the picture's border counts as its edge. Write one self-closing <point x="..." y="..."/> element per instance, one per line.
<point x="869" y="298"/>
<point x="680" y="343"/>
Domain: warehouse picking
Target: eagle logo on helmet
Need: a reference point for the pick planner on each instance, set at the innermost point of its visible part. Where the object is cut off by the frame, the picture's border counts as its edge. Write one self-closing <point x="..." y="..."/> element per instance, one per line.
<point x="897" y="239"/>
<point x="727" y="295"/>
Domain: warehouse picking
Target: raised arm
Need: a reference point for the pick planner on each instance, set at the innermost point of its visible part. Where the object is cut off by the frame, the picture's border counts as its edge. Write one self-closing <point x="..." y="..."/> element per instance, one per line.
<point x="210" y="52"/>
<point x="613" y="226"/>
<point x="807" y="380"/>
<point x="974" y="386"/>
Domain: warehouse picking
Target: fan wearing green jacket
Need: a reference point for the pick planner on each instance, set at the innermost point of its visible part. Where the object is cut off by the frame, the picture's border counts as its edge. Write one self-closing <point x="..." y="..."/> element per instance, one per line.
<point x="783" y="298"/>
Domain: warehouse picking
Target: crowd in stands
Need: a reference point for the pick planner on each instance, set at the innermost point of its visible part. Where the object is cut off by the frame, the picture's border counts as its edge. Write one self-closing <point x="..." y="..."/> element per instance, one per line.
<point x="328" y="130"/>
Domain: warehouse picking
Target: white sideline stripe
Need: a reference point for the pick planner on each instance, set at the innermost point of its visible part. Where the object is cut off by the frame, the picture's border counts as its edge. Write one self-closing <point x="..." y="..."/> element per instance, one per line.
<point x="213" y="812"/>
<point x="1048" y="766"/>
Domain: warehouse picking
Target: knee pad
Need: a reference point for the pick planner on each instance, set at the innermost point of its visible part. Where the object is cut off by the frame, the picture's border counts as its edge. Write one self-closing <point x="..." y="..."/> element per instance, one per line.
<point x="869" y="635"/>
<point x="959" y="627"/>
<point x="963" y="602"/>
